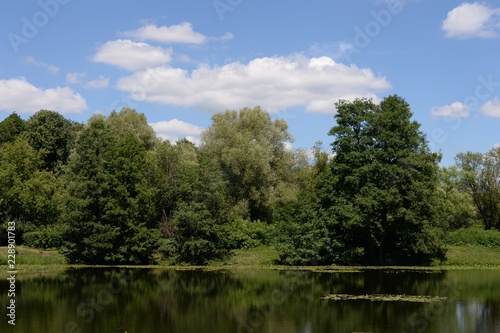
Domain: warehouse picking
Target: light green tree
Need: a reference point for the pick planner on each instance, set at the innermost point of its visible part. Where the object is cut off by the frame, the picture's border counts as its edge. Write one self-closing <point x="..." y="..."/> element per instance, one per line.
<point x="250" y="150"/>
<point x="480" y="177"/>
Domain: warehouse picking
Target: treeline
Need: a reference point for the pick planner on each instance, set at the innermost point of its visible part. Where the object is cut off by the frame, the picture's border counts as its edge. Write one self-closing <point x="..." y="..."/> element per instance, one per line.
<point x="111" y="192"/>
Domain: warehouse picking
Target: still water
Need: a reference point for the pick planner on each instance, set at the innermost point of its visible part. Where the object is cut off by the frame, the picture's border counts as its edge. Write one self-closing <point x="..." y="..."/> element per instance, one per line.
<point x="156" y="300"/>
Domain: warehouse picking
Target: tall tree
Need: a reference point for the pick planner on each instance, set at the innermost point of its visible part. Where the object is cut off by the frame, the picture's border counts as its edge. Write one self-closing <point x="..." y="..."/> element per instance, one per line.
<point x="52" y="136"/>
<point x="11" y="127"/>
<point x="27" y="195"/>
<point x="250" y="149"/>
<point x="129" y="120"/>
<point x="481" y="179"/>
<point x="110" y="207"/>
<point x="381" y="185"/>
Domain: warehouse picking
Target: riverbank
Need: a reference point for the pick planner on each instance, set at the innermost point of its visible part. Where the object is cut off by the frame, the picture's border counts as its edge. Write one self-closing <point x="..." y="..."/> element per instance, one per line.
<point x="35" y="261"/>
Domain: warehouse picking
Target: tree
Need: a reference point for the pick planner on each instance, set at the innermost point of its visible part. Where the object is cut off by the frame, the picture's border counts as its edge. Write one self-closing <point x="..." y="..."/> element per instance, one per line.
<point x="250" y="150"/>
<point x="52" y="136"/>
<point x="27" y="195"/>
<point x="379" y="191"/>
<point x="455" y="206"/>
<point x="110" y="208"/>
<point x="481" y="179"/>
<point x="128" y="120"/>
<point x="11" y="127"/>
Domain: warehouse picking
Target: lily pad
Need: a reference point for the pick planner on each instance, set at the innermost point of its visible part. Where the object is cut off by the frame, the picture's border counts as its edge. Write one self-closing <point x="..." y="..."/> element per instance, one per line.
<point x="385" y="298"/>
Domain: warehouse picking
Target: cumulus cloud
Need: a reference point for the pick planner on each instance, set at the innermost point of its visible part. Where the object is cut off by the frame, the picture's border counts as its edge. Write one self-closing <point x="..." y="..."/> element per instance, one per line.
<point x="491" y="108"/>
<point x="180" y="33"/>
<point x="175" y="129"/>
<point x="131" y="55"/>
<point x="274" y="83"/>
<point x="23" y="97"/>
<point x="453" y="110"/>
<point x="472" y="20"/>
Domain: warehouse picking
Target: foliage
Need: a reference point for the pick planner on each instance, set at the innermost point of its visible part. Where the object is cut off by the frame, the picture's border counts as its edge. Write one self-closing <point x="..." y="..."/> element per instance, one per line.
<point x="245" y="234"/>
<point x="51" y="135"/>
<point x="46" y="237"/>
<point x="481" y="179"/>
<point x="128" y="120"/>
<point x="28" y="196"/>
<point x="11" y="127"/>
<point x="454" y="207"/>
<point x="249" y="148"/>
<point x="201" y="213"/>
<point x="109" y="207"/>
<point x="475" y="236"/>
<point x="111" y="192"/>
<point x="380" y="186"/>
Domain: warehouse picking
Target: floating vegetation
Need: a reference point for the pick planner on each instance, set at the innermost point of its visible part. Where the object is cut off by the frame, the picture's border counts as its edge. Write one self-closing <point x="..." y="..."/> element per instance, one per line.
<point x="385" y="298"/>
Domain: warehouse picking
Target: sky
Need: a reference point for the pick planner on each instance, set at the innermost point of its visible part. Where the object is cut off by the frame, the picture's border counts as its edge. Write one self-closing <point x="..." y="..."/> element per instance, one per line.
<point x="179" y="62"/>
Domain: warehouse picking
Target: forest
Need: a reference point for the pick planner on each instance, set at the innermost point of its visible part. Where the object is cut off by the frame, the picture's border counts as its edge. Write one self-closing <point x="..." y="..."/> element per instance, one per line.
<point x="111" y="192"/>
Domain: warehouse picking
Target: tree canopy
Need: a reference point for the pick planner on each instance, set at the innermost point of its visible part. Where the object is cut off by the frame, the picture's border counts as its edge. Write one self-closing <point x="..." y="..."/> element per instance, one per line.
<point x="111" y="192"/>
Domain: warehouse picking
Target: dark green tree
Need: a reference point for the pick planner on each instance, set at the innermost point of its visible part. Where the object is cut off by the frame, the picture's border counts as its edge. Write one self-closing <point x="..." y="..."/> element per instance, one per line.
<point x="52" y="136"/>
<point x="202" y="210"/>
<point x="381" y="186"/>
<point x="11" y="127"/>
<point x="110" y="208"/>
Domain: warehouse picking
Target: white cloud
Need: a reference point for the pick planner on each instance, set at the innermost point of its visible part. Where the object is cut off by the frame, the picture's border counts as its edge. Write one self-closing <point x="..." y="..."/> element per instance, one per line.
<point x="491" y="108"/>
<point x="472" y="20"/>
<point x="132" y="56"/>
<point x="175" y="129"/>
<point x="75" y="77"/>
<point x="23" y="97"/>
<point x="80" y="79"/>
<point x="52" y="69"/>
<point x="453" y="110"/>
<point x="180" y="33"/>
<point x="99" y="83"/>
<point x="275" y="83"/>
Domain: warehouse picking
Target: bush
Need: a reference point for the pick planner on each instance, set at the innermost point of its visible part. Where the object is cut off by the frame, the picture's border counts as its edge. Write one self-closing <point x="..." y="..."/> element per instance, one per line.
<point x="475" y="236"/>
<point x="45" y="237"/>
<point x="245" y="234"/>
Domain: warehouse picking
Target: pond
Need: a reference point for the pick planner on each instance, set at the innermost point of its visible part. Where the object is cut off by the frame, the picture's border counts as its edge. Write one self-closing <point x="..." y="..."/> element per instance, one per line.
<point x="160" y="300"/>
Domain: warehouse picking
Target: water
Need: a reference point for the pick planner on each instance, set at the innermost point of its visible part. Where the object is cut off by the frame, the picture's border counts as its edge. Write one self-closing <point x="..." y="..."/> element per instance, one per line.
<point x="156" y="300"/>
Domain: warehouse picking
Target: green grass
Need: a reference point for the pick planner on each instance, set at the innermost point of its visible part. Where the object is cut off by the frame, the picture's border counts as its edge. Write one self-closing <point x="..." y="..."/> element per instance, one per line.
<point x="30" y="256"/>
<point x="459" y="256"/>
<point x="472" y="255"/>
<point x="259" y="256"/>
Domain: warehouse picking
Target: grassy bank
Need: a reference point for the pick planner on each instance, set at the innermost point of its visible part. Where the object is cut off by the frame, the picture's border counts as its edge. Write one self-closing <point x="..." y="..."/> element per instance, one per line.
<point x="458" y="256"/>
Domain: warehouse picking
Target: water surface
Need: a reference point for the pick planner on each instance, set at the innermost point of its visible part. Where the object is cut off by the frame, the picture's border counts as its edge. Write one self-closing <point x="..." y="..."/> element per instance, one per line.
<point x="157" y="300"/>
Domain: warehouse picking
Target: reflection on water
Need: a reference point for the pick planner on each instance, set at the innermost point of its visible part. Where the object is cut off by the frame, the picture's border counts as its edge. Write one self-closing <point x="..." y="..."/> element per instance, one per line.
<point x="155" y="300"/>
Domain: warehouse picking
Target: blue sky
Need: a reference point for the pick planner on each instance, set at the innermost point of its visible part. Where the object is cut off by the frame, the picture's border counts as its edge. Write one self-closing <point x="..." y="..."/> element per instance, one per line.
<point x="180" y="62"/>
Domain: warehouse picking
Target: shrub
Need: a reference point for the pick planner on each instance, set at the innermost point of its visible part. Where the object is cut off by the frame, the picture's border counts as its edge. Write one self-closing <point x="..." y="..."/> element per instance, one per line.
<point x="45" y="237"/>
<point x="475" y="236"/>
<point x="246" y="234"/>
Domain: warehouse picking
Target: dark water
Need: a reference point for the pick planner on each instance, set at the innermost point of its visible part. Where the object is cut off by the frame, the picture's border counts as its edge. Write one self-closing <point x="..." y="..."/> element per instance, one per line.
<point x="154" y="300"/>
